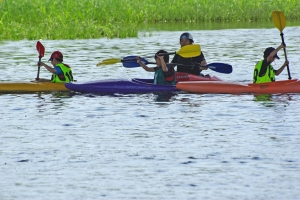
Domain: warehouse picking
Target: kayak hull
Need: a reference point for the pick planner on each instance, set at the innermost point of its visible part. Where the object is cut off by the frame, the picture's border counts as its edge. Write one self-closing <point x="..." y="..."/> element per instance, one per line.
<point x="134" y="85"/>
<point x="181" y="76"/>
<point x="31" y="87"/>
<point x="120" y="86"/>
<point x="225" y="87"/>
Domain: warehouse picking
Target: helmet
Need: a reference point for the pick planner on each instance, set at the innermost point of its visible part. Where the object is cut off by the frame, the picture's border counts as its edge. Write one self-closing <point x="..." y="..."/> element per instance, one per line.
<point x="57" y="55"/>
<point x="186" y="35"/>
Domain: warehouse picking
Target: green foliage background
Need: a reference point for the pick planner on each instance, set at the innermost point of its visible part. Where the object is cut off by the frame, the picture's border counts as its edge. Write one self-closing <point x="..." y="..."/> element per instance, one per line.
<point x="78" y="19"/>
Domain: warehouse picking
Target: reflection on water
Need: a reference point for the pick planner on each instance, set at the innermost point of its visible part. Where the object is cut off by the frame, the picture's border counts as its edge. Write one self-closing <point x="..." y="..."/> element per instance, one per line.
<point x="63" y="94"/>
<point x="164" y="97"/>
<point x="271" y="100"/>
<point x="262" y="97"/>
<point x="66" y="145"/>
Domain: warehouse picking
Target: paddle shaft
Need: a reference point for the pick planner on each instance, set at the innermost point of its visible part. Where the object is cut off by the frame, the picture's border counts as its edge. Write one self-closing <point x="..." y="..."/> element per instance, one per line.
<point x="187" y="51"/>
<point x="38" y="72"/>
<point x="217" y="67"/>
<point x="131" y="58"/>
<point x="288" y="68"/>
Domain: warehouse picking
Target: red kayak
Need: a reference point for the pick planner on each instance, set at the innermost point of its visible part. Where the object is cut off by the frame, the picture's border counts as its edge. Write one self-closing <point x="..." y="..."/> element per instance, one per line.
<point x="181" y="76"/>
<point x="226" y="87"/>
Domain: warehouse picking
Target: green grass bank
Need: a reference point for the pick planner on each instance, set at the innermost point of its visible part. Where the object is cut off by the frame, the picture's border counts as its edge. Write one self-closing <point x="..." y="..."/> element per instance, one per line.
<point x="79" y="19"/>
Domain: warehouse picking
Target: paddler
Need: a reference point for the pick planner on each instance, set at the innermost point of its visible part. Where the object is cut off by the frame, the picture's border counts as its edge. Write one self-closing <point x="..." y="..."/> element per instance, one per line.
<point x="164" y="73"/>
<point x="192" y="65"/>
<point x="264" y="71"/>
<point x="61" y="72"/>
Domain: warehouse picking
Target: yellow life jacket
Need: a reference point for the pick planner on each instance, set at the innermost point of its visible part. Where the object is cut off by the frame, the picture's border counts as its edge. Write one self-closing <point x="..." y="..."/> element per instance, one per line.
<point x="65" y="77"/>
<point x="268" y="77"/>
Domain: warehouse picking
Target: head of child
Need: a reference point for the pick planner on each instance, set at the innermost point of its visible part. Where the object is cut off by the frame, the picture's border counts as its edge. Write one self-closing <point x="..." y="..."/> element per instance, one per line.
<point x="166" y="57"/>
<point x="267" y="52"/>
<point x="56" y="57"/>
<point x="186" y="39"/>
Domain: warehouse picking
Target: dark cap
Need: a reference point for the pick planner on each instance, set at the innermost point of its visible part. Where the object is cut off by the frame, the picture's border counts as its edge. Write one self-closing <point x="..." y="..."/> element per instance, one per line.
<point x="268" y="51"/>
<point x="57" y="55"/>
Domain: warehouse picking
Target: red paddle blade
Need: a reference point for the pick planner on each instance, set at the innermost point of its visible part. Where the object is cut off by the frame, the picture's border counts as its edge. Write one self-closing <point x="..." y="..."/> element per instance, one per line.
<point x="40" y="48"/>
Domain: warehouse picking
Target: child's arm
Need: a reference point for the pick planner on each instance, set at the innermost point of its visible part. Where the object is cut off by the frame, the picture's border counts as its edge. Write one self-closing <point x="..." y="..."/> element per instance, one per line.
<point x="163" y="64"/>
<point x="148" y="69"/>
<point x="50" y="69"/>
<point x="273" y="53"/>
<point x="278" y="71"/>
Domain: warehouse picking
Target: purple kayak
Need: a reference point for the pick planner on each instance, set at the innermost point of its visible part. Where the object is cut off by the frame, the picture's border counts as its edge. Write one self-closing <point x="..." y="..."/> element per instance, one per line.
<point x="121" y="86"/>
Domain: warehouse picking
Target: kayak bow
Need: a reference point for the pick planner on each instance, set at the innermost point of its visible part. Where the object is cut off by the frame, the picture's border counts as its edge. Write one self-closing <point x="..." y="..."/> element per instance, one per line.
<point x="31" y="86"/>
<point x="226" y="87"/>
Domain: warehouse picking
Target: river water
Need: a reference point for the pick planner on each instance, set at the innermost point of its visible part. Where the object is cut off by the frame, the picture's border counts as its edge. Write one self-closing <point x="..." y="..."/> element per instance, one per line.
<point x="149" y="146"/>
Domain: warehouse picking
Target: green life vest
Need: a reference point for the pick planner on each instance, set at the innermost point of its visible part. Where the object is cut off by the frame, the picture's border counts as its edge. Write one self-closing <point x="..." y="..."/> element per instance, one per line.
<point x="268" y="77"/>
<point x="65" y="77"/>
<point x="159" y="77"/>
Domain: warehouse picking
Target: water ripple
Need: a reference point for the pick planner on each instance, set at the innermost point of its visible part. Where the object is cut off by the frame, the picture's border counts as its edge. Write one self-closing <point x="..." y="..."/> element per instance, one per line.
<point x="149" y="146"/>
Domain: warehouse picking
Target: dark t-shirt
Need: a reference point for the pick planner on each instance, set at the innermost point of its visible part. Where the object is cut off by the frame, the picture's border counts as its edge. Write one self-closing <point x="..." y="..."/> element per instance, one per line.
<point x="188" y="61"/>
<point x="169" y="75"/>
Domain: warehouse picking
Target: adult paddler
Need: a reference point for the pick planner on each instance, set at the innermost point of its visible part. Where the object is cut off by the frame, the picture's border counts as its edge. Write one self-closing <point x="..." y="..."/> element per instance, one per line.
<point x="192" y="65"/>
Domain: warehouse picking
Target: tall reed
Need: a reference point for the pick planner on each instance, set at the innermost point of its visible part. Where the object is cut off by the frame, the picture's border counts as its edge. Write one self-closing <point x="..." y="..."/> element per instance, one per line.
<point x="76" y="19"/>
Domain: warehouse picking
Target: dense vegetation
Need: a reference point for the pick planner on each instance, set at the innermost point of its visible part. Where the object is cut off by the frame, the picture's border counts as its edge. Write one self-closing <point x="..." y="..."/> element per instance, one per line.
<point x="75" y="19"/>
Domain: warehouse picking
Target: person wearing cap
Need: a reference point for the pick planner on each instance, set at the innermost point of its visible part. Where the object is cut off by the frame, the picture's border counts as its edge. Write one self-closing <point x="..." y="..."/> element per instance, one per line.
<point x="264" y="71"/>
<point x="189" y="65"/>
<point x="164" y="73"/>
<point x="61" y="73"/>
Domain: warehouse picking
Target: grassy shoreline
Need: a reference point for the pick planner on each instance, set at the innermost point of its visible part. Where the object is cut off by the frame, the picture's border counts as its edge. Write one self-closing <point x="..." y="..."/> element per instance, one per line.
<point x="74" y="19"/>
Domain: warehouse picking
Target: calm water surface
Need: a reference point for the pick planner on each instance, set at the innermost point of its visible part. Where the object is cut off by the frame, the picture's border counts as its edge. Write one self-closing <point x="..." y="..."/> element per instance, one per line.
<point x="149" y="146"/>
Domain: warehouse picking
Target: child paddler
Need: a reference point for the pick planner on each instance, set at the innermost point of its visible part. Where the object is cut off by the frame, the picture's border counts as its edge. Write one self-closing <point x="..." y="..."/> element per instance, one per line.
<point x="264" y="71"/>
<point x="61" y="73"/>
<point x="164" y="72"/>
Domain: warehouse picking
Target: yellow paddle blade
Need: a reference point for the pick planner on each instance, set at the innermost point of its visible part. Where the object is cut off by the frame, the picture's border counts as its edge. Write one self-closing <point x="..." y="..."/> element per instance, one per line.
<point x="189" y="51"/>
<point x="109" y="61"/>
<point x="279" y="20"/>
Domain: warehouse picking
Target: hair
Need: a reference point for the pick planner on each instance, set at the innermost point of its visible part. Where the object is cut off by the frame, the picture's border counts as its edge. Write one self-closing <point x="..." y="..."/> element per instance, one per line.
<point x="59" y="60"/>
<point x="166" y="57"/>
<point x="268" y="51"/>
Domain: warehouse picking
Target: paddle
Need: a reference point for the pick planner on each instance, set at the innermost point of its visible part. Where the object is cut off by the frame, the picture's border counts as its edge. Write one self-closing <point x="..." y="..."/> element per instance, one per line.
<point x="220" y="67"/>
<point x="279" y="21"/>
<point x="41" y="50"/>
<point x="217" y="67"/>
<point x="187" y="51"/>
<point x="116" y="60"/>
<point x="131" y="62"/>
